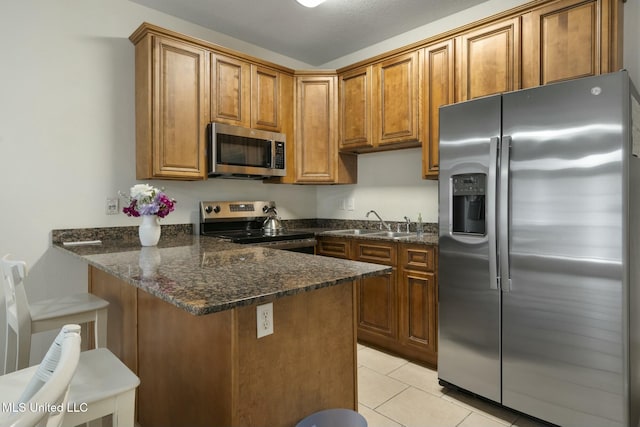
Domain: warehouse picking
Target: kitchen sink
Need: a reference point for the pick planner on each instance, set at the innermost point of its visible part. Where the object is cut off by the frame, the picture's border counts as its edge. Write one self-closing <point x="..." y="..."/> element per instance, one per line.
<point x="352" y="232"/>
<point x="393" y="234"/>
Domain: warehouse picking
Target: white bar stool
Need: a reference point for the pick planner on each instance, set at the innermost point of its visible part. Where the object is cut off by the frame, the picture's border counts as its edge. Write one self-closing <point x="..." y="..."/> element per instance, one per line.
<point x="48" y="387"/>
<point x="102" y="385"/>
<point x="24" y="319"/>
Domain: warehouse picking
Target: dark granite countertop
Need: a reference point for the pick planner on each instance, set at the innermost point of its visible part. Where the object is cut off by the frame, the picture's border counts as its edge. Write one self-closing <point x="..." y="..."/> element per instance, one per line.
<point x="332" y="228"/>
<point x="425" y="239"/>
<point x="204" y="275"/>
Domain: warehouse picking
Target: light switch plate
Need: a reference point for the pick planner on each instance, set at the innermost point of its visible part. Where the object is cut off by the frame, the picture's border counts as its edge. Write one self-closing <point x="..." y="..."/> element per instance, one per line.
<point x="351" y="204"/>
<point x="111" y="207"/>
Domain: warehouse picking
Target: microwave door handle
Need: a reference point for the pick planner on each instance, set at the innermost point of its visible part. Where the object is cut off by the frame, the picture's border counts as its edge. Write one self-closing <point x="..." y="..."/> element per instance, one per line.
<point x="491" y="213"/>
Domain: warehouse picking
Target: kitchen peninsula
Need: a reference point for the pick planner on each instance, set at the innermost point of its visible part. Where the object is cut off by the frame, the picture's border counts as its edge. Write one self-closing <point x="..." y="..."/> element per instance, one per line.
<point x="182" y="316"/>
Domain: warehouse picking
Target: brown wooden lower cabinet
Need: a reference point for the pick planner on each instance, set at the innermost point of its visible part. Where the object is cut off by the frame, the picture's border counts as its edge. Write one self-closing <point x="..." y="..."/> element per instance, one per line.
<point x="378" y="315"/>
<point x="211" y="370"/>
<point x="397" y="311"/>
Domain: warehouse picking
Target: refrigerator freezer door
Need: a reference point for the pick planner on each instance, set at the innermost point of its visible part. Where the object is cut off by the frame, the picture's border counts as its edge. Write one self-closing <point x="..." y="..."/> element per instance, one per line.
<point x="563" y="348"/>
<point x="469" y="301"/>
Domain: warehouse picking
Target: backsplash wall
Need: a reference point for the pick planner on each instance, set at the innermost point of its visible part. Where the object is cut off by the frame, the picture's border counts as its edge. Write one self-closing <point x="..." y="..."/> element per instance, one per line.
<point x="389" y="183"/>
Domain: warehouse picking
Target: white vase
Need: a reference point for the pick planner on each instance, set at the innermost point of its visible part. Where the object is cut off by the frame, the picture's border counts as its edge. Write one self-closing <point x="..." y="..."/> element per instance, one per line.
<point x="149" y="230"/>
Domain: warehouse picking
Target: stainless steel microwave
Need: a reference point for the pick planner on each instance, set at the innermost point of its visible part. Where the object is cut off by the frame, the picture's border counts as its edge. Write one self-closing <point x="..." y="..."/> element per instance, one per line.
<point x="239" y="152"/>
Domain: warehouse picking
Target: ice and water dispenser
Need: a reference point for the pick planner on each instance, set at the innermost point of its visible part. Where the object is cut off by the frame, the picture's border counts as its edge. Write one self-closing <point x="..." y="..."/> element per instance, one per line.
<point x="468" y="199"/>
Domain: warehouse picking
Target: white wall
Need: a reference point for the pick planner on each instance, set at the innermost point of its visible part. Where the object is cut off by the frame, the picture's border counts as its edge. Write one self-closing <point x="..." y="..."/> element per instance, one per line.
<point x="388" y="183"/>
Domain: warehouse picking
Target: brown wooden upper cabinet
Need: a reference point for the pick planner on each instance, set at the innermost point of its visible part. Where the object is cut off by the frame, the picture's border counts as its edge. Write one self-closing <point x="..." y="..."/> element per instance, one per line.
<point x="316" y="137"/>
<point x="380" y="105"/>
<point x="230" y="90"/>
<point x="396" y="100"/>
<point x="244" y="94"/>
<point x="489" y="60"/>
<point x="172" y="108"/>
<point x="569" y="39"/>
<point x="356" y="109"/>
<point x="265" y="98"/>
<point x="439" y="90"/>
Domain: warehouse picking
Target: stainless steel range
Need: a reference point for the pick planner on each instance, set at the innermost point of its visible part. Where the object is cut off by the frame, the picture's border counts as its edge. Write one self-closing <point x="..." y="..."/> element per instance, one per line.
<point x="253" y="223"/>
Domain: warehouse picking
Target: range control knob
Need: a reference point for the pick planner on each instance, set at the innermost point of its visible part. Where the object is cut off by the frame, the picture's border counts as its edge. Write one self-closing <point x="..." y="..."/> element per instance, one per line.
<point x="210" y="209"/>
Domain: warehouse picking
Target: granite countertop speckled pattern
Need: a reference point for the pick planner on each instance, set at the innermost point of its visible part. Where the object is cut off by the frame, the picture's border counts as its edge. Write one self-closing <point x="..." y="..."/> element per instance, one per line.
<point x="204" y="275"/>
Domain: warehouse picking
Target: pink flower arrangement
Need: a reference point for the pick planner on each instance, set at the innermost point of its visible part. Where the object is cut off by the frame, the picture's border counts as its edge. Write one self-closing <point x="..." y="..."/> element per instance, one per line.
<point x="147" y="200"/>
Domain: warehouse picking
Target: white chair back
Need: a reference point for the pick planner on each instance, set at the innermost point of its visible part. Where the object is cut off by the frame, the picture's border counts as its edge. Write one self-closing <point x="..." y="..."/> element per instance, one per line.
<point x="17" y="306"/>
<point x="48" y="389"/>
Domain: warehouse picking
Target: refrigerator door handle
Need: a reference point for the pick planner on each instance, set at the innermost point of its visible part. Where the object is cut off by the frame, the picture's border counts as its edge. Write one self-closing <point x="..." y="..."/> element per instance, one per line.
<point x="492" y="187"/>
<point x="503" y="214"/>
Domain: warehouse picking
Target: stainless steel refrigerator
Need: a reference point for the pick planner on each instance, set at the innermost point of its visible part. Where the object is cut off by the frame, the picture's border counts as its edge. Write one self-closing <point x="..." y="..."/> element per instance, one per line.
<point x="539" y="263"/>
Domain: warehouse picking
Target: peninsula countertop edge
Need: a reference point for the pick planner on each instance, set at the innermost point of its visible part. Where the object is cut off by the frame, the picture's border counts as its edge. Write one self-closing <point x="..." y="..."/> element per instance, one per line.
<point x="204" y="275"/>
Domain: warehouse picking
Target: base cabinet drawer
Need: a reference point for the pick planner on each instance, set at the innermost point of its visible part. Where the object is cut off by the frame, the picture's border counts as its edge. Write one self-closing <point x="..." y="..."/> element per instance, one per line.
<point x="333" y="247"/>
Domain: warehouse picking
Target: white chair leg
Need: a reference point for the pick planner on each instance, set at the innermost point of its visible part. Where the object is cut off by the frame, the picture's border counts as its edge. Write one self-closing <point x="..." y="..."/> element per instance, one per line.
<point x="10" y="343"/>
<point x="24" y="348"/>
<point x="125" y="415"/>
<point x="100" y="329"/>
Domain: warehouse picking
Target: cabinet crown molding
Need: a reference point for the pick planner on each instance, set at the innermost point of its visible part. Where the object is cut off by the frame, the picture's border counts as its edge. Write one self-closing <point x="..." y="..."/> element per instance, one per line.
<point x="147" y="28"/>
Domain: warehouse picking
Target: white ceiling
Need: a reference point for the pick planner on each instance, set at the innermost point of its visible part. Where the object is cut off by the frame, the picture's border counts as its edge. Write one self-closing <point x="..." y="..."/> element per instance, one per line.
<point x="314" y="36"/>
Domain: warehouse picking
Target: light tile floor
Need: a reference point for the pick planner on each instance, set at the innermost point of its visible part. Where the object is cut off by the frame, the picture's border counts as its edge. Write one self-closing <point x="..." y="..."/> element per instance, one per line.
<point x="394" y="392"/>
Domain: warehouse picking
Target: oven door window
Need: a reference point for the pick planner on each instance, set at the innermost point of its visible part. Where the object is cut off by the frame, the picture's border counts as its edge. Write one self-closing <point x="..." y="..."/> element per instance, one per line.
<point x="243" y="151"/>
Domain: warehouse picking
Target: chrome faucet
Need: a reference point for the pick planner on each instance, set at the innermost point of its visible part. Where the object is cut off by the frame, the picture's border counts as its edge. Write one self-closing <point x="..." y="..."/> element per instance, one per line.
<point x="408" y="223"/>
<point x="387" y="226"/>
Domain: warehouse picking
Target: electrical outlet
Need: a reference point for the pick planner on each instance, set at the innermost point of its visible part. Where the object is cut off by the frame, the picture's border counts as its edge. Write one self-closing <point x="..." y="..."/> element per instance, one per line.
<point x="111" y="208"/>
<point x="264" y="319"/>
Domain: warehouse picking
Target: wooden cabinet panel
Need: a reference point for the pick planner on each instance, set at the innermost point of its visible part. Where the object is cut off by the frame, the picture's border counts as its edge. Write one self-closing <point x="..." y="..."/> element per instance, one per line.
<point x="333" y="247"/>
<point x="439" y="84"/>
<point x="122" y="317"/>
<point x="377" y="307"/>
<point x="317" y="160"/>
<point x="230" y="87"/>
<point x="355" y="109"/>
<point x="418" y="310"/>
<point x="489" y="60"/>
<point x="418" y="300"/>
<point x="396" y="96"/>
<point x="377" y="296"/>
<point x="265" y="98"/>
<point x="568" y="39"/>
<point x="316" y="138"/>
<point x="376" y="252"/>
<point x="417" y="257"/>
<point x="172" y="109"/>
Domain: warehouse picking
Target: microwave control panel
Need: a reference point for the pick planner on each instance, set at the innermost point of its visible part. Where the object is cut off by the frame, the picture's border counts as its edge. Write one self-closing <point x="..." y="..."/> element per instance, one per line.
<point x="279" y="154"/>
